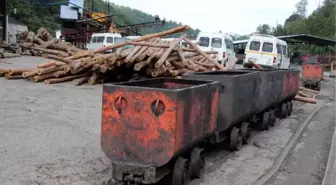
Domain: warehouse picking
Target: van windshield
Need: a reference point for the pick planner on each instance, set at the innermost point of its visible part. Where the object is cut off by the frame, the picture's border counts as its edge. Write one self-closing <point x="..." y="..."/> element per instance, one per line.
<point x="267" y="47"/>
<point x="255" y="46"/>
<point x="204" y="41"/>
<point x="216" y="42"/>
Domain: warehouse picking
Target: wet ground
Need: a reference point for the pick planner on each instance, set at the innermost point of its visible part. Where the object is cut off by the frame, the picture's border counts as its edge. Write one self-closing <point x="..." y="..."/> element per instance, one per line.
<point x="50" y="134"/>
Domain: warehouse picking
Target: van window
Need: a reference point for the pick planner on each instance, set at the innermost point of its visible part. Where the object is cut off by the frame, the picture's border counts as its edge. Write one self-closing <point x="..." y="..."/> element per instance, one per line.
<point x="109" y="40"/>
<point x="279" y="49"/>
<point x="101" y="39"/>
<point x="284" y="50"/>
<point x="216" y="42"/>
<point x="94" y="40"/>
<point x="255" y="46"/>
<point x="204" y="41"/>
<point x="117" y="39"/>
<point x="267" y="47"/>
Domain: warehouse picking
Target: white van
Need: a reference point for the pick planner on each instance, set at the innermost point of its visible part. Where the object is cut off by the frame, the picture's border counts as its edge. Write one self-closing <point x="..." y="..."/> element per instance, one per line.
<point x="99" y="40"/>
<point x="267" y="50"/>
<point x="222" y="43"/>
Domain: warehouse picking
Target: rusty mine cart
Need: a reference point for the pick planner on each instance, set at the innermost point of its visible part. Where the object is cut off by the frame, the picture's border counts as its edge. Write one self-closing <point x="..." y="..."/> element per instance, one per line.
<point x="312" y="75"/>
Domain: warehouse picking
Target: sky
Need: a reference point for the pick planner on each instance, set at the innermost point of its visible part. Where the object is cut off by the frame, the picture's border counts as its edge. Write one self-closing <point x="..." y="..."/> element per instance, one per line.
<point x="229" y="16"/>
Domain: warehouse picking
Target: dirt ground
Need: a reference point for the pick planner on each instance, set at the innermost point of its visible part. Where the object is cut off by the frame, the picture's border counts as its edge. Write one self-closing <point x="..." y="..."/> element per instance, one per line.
<point x="50" y="135"/>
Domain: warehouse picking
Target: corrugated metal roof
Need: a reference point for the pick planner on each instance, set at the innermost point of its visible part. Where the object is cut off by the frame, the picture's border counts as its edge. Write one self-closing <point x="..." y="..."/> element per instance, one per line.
<point x="309" y="39"/>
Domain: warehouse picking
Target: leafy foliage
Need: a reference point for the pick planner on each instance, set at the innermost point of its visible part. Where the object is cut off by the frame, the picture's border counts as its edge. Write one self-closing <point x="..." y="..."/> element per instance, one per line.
<point x="42" y="13"/>
<point x="32" y="15"/>
<point x="264" y="29"/>
<point x="127" y="16"/>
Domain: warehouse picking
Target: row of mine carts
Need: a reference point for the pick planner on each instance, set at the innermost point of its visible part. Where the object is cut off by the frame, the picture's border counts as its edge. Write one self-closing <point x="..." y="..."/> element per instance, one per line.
<point x="159" y="127"/>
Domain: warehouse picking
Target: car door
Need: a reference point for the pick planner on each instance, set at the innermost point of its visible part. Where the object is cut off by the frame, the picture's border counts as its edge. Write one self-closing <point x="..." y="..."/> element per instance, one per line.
<point x="252" y="51"/>
<point x="285" y="58"/>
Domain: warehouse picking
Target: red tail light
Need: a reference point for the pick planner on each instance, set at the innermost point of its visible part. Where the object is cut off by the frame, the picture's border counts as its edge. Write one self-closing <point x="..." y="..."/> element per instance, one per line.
<point x="274" y="60"/>
<point x="224" y="54"/>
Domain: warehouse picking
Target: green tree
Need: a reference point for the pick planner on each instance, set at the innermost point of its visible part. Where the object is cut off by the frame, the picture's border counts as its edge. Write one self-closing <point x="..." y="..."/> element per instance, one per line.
<point x="264" y="29"/>
<point x="301" y="8"/>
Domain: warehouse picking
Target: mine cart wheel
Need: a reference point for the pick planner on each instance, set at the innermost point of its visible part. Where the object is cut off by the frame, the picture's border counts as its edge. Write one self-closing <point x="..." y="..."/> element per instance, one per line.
<point x="236" y="139"/>
<point x="289" y="108"/>
<point x="180" y="173"/>
<point x="272" y="118"/>
<point x="265" y="124"/>
<point x="245" y="131"/>
<point x="197" y="163"/>
<point x="318" y="86"/>
<point x="284" y="110"/>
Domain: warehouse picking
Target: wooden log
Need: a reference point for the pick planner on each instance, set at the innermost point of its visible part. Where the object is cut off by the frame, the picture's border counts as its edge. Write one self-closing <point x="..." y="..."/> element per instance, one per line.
<point x="13" y="76"/>
<point x="80" y="81"/>
<point x="178" y="72"/>
<point x="55" y="57"/>
<point x="309" y="90"/>
<point x="38" y="41"/>
<point x="119" y="51"/>
<point x="141" y="51"/>
<point x="134" y="51"/>
<point x="75" y="66"/>
<point x="60" y="64"/>
<point x="168" y="64"/>
<point x="64" y="79"/>
<point x="179" y="64"/>
<point x="203" y="53"/>
<point x="81" y="55"/>
<point x="303" y="94"/>
<point x="44" y="34"/>
<point x="207" y="65"/>
<point x="175" y="43"/>
<point x="4" y="71"/>
<point x="145" y="37"/>
<point x="93" y="79"/>
<point x="305" y="100"/>
<point x="83" y="68"/>
<point x="48" y="64"/>
<point x="51" y="51"/>
<point x="18" y="71"/>
<point x="180" y="54"/>
<point x="158" y="46"/>
<point x="61" y="73"/>
<point x="103" y="68"/>
<point x="158" y="72"/>
<point x="47" y="70"/>
<point x="40" y="78"/>
<point x="257" y="66"/>
<point x="29" y="74"/>
<point x="49" y="43"/>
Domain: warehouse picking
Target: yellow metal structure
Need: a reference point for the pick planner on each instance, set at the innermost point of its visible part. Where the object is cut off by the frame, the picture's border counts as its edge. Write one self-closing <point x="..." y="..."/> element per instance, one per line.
<point x="96" y="16"/>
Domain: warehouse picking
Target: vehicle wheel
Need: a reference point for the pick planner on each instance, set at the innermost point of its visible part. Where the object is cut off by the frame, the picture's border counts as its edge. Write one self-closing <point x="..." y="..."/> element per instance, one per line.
<point x="319" y="86"/>
<point x="245" y="131"/>
<point x="272" y="118"/>
<point x="283" y="110"/>
<point x="236" y="139"/>
<point x="197" y="163"/>
<point x="265" y="124"/>
<point x="180" y="173"/>
<point x="290" y="108"/>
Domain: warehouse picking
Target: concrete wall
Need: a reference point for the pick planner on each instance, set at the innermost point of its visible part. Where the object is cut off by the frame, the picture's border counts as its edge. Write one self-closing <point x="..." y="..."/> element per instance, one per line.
<point x="13" y="30"/>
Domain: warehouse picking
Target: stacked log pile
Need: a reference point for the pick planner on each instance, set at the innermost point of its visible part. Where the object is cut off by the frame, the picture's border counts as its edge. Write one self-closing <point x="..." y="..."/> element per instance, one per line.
<point x="148" y="57"/>
<point x="306" y="95"/>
